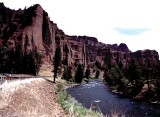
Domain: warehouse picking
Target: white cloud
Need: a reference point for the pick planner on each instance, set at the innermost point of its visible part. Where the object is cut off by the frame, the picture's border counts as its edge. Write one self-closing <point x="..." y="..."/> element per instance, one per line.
<point x="99" y="18"/>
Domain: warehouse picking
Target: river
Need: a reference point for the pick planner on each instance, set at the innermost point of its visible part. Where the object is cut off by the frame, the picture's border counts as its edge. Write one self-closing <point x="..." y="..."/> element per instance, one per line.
<point x="95" y="94"/>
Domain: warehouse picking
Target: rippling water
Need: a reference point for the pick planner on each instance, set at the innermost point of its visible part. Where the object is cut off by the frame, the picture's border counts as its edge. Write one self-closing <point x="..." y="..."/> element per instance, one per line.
<point x="97" y="95"/>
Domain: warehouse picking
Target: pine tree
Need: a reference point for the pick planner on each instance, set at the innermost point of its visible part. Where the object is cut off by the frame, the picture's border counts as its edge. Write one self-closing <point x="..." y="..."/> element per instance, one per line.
<point x="98" y="64"/>
<point x="79" y="74"/>
<point x="66" y="53"/>
<point x="37" y="60"/>
<point x="57" y="62"/>
<point x="146" y="70"/>
<point x="67" y="74"/>
<point x="87" y="73"/>
<point x="97" y="74"/>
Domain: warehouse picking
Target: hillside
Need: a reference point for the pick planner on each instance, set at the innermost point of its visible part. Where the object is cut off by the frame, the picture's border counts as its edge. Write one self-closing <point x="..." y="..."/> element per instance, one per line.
<point x="29" y="98"/>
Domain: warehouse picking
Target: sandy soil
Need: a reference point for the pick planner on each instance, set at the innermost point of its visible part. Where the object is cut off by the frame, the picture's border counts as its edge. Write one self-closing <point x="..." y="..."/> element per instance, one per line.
<point x="33" y="97"/>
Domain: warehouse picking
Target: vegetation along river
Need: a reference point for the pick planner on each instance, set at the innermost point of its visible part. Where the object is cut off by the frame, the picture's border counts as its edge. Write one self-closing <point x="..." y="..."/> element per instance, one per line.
<point x="95" y="94"/>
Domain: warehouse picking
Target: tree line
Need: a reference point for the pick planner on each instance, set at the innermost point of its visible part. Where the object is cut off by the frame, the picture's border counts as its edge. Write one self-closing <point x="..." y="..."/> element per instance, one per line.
<point x="18" y="62"/>
<point x="132" y="79"/>
<point x="29" y="62"/>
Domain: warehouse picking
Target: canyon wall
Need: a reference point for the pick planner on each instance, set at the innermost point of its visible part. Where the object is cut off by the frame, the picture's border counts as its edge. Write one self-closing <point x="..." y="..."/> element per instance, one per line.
<point x="31" y="29"/>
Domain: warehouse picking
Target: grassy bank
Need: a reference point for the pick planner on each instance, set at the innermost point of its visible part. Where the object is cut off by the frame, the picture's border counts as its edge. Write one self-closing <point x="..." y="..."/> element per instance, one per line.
<point x="71" y="106"/>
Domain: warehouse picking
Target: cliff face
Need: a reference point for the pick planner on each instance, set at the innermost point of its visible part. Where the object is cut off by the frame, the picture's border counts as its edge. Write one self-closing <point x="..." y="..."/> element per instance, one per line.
<point x="31" y="29"/>
<point x="27" y="30"/>
<point x="116" y="54"/>
<point x="149" y="57"/>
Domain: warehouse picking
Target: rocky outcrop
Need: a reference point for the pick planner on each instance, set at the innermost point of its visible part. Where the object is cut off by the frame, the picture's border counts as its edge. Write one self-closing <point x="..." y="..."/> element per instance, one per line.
<point x="97" y="51"/>
<point x="123" y="47"/>
<point x="31" y="29"/>
<point x="27" y="30"/>
<point x="149" y="57"/>
<point x="116" y="54"/>
<point x="76" y="51"/>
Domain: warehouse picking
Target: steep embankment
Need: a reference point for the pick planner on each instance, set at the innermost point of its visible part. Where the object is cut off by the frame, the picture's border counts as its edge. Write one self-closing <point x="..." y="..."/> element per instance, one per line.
<point x="29" y="98"/>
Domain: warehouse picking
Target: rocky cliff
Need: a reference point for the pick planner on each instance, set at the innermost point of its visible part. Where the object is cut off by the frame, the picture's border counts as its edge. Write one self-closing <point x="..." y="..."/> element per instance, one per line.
<point x="27" y="29"/>
<point x="31" y="29"/>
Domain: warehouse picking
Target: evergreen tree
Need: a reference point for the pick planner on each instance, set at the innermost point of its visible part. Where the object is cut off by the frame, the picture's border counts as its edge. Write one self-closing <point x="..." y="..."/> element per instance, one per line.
<point x="87" y="73"/>
<point x="18" y="62"/>
<point x="135" y="77"/>
<point x="133" y="71"/>
<point x="37" y="60"/>
<point x="98" y="64"/>
<point x="3" y="59"/>
<point x="67" y="74"/>
<point x="120" y="65"/>
<point x="146" y="74"/>
<point x="97" y="73"/>
<point x="66" y="53"/>
<point x="106" y="73"/>
<point x="107" y="59"/>
<point x="79" y="74"/>
<point x="158" y="79"/>
<point x="57" y="61"/>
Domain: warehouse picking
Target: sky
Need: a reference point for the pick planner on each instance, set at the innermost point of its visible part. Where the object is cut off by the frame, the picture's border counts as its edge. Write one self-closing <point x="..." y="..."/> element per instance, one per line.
<point x="134" y="22"/>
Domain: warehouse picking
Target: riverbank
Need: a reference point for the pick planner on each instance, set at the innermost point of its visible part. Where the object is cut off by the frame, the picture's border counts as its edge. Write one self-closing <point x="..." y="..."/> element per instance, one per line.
<point x="141" y="96"/>
<point x="98" y="95"/>
<point x="71" y="106"/>
<point x="74" y="108"/>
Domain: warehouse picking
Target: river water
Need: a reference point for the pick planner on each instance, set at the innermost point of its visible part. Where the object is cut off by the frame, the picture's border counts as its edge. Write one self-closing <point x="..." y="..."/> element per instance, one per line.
<point x="97" y="95"/>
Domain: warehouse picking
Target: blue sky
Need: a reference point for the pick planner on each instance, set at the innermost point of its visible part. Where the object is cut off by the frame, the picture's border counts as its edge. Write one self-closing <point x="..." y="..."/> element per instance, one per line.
<point x="134" y="22"/>
<point x="131" y="31"/>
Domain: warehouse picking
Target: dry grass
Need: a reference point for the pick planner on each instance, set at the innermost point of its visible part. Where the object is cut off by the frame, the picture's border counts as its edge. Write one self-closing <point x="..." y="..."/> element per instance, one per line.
<point x="46" y="70"/>
<point x="29" y="98"/>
